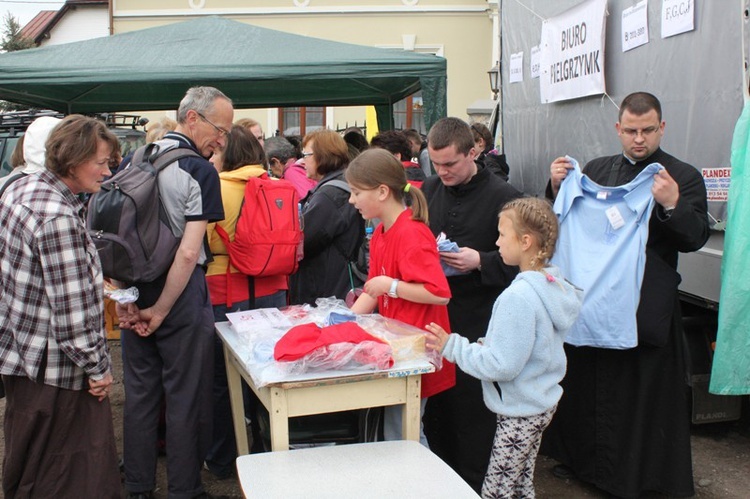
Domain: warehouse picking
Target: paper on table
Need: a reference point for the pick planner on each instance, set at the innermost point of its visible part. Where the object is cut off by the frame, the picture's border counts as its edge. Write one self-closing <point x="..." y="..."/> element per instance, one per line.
<point x="262" y="318"/>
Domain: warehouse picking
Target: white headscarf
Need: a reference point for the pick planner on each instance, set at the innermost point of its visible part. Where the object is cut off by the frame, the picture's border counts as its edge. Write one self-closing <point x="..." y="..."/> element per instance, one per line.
<point x="34" y="142"/>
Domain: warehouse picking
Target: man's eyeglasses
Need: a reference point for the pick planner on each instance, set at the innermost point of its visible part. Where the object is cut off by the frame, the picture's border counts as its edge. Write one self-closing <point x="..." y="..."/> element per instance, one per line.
<point x="306" y="154"/>
<point x="645" y="132"/>
<point x="222" y="132"/>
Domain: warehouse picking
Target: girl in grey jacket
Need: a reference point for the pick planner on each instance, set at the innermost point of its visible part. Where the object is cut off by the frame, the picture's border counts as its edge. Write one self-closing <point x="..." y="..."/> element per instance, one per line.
<point x="521" y="360"/>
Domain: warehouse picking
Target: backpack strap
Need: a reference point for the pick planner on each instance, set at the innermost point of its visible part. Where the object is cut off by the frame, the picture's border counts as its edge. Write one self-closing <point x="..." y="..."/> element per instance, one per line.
<point x="340" y="184"/>
<point x="9" y="181"/>
<point x="161" y="159"/>
<point x="224" y="236"/>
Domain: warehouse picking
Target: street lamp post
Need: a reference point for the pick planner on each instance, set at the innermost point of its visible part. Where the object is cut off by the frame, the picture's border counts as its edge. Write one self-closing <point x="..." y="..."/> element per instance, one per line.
<point x="494" y="75"/>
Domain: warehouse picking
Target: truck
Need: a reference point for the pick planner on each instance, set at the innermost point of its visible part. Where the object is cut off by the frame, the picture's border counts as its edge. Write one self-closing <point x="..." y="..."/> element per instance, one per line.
<point x="700" y="74"/>
<point x="128" y="128"/>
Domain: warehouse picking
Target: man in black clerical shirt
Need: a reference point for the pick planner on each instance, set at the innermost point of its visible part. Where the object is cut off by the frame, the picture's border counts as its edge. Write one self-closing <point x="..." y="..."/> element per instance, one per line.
<point x="622" y="423"/>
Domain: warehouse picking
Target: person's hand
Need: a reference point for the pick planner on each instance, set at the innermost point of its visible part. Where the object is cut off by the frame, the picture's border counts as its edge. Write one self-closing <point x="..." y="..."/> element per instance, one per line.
<point x="127" y="315"/>
<point x="437" y="337"/>
<point x="149" y="321"/>
<point x="558" y="170"/>
<point x="378" y="286"/>
<point x="665" y="190"/>
<point x="101" y="388"/>
<point x="465" y="260"/>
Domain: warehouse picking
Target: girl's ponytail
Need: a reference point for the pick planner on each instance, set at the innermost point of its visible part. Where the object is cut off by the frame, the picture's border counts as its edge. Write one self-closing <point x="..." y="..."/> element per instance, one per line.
<point x="414" y="198"/>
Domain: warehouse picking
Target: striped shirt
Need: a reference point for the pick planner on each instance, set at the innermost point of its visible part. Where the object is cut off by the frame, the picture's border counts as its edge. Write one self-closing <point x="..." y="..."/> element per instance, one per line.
<point x="51" y="296"/>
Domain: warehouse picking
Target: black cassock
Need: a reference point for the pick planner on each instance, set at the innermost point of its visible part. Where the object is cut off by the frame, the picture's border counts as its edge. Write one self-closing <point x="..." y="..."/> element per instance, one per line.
<point x="623" y="421"/>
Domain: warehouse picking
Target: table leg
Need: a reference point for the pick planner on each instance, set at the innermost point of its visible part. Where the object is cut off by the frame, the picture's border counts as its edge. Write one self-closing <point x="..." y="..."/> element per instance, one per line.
<point x="278" y="414"/>
<point x="234" y="381"/>
<point x="410" y="415"/>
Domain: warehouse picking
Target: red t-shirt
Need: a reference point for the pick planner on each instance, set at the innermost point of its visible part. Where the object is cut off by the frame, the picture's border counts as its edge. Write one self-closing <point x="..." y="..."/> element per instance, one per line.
<point x="408" y="252"/>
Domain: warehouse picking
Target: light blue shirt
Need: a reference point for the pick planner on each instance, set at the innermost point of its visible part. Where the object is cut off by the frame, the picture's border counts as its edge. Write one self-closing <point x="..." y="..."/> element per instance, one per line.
<point x="522" y="359"/>
<point x="602" y="249"/>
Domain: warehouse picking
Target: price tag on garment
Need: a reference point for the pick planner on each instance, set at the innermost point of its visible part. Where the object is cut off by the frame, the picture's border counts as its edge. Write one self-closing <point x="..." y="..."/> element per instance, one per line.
<point x="615" y="218"/>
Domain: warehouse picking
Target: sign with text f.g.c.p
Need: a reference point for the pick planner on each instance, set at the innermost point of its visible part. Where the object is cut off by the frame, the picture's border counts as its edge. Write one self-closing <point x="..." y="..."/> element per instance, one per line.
<point x="572" y="58"/>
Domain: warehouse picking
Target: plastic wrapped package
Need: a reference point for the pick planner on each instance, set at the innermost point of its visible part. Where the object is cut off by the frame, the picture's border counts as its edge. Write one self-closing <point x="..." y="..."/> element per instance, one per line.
<point x="262" y="329"/>
<point x="366" y="355"/>
<point x="121" y="296"/>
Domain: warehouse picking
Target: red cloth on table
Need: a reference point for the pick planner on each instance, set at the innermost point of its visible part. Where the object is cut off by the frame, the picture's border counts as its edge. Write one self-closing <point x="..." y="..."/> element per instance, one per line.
<point x="306" y="338"/>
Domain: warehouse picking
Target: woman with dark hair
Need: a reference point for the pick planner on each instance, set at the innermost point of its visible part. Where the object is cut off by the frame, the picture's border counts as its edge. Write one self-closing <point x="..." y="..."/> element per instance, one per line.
<point x="54" y="359"/>
<point x="241" y="158"/>
<point x="487" y="155"/>
<point x="333" y="228"/>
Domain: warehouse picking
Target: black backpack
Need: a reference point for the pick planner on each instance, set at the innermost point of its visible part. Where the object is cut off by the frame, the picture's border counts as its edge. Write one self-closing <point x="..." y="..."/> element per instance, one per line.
<point x="127" y="221"/>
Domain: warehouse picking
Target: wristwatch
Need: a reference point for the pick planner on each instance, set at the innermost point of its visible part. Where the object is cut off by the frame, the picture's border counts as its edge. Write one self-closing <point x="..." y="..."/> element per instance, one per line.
<point x="394" y="286"/>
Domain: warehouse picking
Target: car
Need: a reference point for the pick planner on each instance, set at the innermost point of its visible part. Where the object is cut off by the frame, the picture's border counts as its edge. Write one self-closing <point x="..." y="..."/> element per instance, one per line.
<point x="13" y="125"/>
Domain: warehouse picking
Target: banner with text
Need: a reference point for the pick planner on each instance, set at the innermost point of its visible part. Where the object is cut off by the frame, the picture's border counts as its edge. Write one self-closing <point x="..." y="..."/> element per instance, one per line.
<point x="572" y="58"/>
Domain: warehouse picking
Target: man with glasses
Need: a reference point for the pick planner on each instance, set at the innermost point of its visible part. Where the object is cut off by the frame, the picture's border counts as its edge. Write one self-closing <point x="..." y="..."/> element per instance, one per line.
<point x="168" y="336"/>
<point x="622" y="422"/>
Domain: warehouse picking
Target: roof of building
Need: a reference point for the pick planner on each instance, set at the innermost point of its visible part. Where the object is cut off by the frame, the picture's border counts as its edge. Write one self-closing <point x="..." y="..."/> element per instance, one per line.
<point x="40" y="26"/>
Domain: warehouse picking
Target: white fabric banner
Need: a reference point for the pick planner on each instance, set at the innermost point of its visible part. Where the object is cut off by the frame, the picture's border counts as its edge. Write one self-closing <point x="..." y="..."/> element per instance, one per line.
<point x="635" y="26"/>
<point x="572" y="59"/>
<point x="677" y="16"/>
<point x="516" y="67"/>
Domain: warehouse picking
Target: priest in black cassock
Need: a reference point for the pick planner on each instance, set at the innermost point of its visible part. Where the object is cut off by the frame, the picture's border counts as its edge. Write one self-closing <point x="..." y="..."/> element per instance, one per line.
<point x="623" y="421"/>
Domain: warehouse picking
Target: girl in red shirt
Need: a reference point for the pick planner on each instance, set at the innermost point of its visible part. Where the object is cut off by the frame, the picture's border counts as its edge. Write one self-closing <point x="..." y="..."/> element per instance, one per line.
<point x="406" y="281"/>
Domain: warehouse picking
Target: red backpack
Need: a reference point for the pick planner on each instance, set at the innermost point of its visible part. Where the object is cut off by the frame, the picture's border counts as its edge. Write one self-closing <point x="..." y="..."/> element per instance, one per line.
<point x="268" y="232"/>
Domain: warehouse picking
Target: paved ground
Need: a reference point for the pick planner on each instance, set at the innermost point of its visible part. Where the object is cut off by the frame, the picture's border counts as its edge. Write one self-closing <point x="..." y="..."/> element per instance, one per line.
<point x="721" y="459"/>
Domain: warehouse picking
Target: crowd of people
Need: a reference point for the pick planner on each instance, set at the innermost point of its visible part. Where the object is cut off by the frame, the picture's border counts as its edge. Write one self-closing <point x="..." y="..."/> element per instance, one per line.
<point x="498" y="308"/>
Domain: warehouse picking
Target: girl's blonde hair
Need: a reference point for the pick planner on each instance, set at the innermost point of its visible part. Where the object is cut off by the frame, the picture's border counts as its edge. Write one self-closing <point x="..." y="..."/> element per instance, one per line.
<point x="376" y="167"/>
<point x="534" y="216"/>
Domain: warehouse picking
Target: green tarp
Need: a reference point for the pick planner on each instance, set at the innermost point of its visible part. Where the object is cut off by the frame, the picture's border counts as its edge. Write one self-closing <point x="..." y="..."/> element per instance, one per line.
<point x="730" y="374"/>
<point x="256" y="67"/>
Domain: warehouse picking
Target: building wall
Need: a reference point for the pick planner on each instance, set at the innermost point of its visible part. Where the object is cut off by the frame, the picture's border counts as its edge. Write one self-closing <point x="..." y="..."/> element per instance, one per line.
<point x="460" y="31"/>
<point x="80" y="23"/>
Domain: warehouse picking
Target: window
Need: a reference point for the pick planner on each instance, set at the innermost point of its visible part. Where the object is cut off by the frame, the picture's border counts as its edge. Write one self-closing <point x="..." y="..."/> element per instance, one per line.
<point x="301" y="120"/>
<point x="408" y="113"/>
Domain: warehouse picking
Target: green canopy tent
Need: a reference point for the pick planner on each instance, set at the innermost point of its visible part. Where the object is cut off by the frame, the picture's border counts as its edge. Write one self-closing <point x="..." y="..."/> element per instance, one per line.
<point x="150" y="69"/>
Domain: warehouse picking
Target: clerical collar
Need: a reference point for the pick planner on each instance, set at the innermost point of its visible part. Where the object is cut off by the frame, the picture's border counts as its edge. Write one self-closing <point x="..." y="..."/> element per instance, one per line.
<point x="632" y="161"/>
<point x="644" y="160"/>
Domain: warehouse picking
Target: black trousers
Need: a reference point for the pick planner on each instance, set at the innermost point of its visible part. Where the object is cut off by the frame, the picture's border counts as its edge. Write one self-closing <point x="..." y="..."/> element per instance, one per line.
<point x="175" y="362"/>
